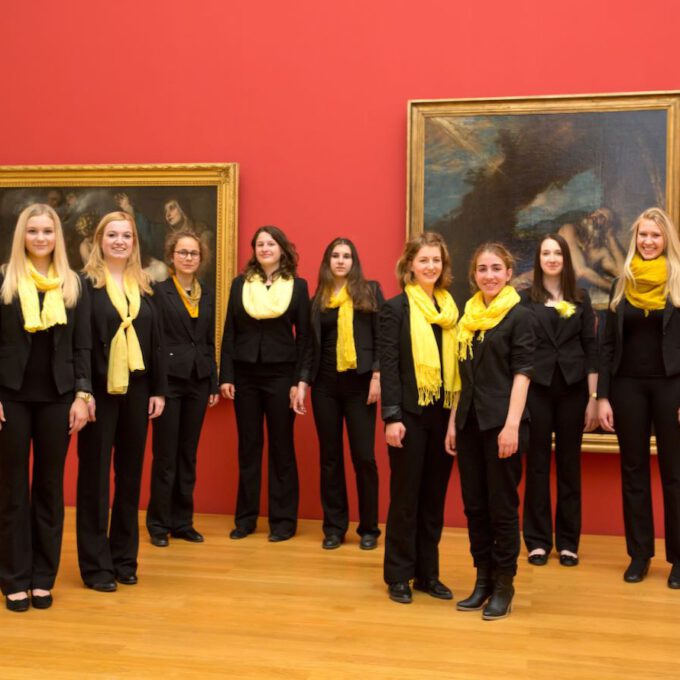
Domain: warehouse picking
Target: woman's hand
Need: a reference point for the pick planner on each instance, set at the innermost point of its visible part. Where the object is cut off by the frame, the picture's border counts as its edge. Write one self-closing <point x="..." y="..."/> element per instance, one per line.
<point x="508" y="441"/>
<point x="91" y="410"/>
<point x="2" y="416"/>
<point x="605" y="415"/>
<point x="213" y="400"/>
<point x="78" y="415"/>
<point x="298" y="399"/>
<point x="374" y="389"/>
<point x="591" y="417"/>
<point x="394" y="434"/>
<point x="156" y="406"/>
<point x="227" y="390"/>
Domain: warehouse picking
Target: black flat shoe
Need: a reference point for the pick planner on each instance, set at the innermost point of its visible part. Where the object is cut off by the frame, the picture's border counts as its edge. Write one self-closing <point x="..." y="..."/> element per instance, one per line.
<point x="278" y="538"/>
<point x="433" y="587"/>
<point x="127" y="579"/>
<point x="331" y="542"/>
<point x="368" y="542"/>
<point x="674" y="577"/>
<point x="21" y="605"/>
<point x="568" y="560"/>
<point x="400" y="592"/>
<point x="41" y="601"/>
<point x="103" y="586"/>
<point x="237" y="534"/>
<point x="538" y="559"/>
<point x="637" y="570"/>
<point x="190" y="535"/>
<point x="160" y="540"/>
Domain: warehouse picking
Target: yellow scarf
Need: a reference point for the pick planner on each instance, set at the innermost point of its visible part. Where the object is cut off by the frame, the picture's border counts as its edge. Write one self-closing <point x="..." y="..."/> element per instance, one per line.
<point x="426" y="359"/>
<point x="479" y="317"/>
<point x="191" y="299"/>
<point x="261" y="302"/>
<point x="53" y="310"/>
<point x="125" y="354"/>
<point x="649" y="290"/>
<point x="345" y="348"/>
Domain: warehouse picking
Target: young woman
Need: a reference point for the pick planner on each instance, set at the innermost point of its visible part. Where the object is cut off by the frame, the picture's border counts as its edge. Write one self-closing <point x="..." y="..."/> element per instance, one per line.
<point x="341" y="362"/>
<point x="44" y="386"/>
<point x="262" y="350"/>
<point x="418" y="377"/>
<point x="187" y="311"/>
<point x="561" y="399"/>
<point x="489" y="428"/>
<point x="639" y="385"/>
<point x="129" y="380"/>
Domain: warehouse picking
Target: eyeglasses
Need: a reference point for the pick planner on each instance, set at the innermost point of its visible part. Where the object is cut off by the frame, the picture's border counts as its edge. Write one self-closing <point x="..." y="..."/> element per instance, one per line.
<point x="186" y="254"/>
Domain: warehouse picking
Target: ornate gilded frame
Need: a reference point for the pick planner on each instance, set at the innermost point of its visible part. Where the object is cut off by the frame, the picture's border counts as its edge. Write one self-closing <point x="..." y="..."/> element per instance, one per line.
<point x="223" y="177"/>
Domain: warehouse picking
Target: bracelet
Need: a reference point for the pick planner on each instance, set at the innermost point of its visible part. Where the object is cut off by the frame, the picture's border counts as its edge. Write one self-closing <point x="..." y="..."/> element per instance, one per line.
<point x="85" y="396"/>
<point x="593" y="395"/>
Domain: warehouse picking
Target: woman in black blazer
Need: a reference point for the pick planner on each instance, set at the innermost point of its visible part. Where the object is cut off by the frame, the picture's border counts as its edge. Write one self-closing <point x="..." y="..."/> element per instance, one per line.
<point x="344" y="369"/>
<point x="561" y="399"/>
<point x="639" y="385"/>
<point x="418" y="377"/>
<point x="129" y="380"/>
<point x="187" y="312"/>
<point x="44" y="386"/>
<point x="261" y="361"/>
<point x="489" y="429"/>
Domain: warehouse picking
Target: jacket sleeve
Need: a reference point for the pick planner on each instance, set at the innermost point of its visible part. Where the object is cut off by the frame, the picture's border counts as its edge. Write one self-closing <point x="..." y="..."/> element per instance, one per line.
<point x="159" y="360"/>
<point x="309" y="350"/>
<point x="523" y="343"/>
<point x="210" y="341"/>
<point x="301" y="322"/>
<point x="380" y="301"/>
<point x="389" y="326"/>
<point x="589" y="334"/>
<point x="228" y="341"/>
<point x="607" y="349"/>
<point x="82" y="341"/>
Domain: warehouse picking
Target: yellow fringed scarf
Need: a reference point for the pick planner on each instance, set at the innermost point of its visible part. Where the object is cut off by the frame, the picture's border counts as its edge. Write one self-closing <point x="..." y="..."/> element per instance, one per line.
<point x="479" y="317"/>
<point x="261" y="302"/>
<point x="53" y="310"/>
<point x="345" y="348"/>
<point x="125" y="354"/>
<point x="426" y="359"/>
<point x="649" y="290"/>
<point x="191" y="299"/>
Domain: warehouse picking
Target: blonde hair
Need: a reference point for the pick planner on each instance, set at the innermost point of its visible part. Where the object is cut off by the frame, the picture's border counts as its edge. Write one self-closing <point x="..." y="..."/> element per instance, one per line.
<point x="671" y="250"/>
<point x="412" y="248"/>
<point x="94" y="268"/>
<point x="17" y="267"/>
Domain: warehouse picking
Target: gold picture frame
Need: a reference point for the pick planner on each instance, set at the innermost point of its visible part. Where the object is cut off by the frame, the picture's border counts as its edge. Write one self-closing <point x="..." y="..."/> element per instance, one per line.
<point x="510" y="169"/>
<point x="206" y="192"/>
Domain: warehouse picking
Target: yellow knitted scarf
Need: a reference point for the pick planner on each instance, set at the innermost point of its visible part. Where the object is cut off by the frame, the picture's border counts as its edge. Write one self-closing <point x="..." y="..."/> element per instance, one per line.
<point x="261" y="302"/>
<point x="191" y="299"/>
<point x="125" y="354"/>
<point x="53" y="311"/>
<point x="426" y="358"/>
<point x="345" y="348"/>
<point x="479" y="317"/>
<point x="649" y="288"/>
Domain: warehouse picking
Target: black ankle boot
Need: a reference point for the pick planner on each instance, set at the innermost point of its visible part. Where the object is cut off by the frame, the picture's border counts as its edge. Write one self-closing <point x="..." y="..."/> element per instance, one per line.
<point x="500" y="604"/>
<point x="482" y="590"/>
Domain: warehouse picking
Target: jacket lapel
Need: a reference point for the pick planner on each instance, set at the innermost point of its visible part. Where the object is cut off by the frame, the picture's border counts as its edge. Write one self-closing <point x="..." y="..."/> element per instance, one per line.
<point x="176" y="301"/>
<point x="667" y="312"/>
<point x="544" y="314"/>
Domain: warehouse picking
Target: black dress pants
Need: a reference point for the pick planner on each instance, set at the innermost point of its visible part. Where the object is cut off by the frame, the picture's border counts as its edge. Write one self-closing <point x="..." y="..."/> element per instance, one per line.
<point x="175" y="441"/>
<point x="334" y="399"/>
<point x="105" y="551"/>
<point x="559" y="408"/>
<point x="489" y="486"/>
<point x="32" y="514"/>
<point x="419" y="478"/>
<point x="262" y="393"/>
<point x="637" y="403"/>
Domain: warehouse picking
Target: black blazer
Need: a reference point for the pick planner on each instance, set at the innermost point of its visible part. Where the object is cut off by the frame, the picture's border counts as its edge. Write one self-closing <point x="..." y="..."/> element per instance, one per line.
<point x="611" y="349"/>
<point x="72" y="345"/>
<point x="573" y="346"/>
<point x="486" y="380"/>
<point x="105" y="323"/>
<point x="189" y="343"/>
<point x="365" y="326"/>
<point x="266" y="341"/>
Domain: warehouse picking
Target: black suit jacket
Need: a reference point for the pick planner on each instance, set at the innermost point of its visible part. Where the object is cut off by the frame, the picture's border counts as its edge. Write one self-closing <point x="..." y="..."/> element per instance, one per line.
<point x="486" y="379"/>
<point x="105" y="323"/>
<point x="573" y="346"/>
<point x="188" y="342"/>
<point x="611" y="349"/>
<point x="365" y="326"/>
<point x="72" y="345"/>
<point x="268" y="341"/>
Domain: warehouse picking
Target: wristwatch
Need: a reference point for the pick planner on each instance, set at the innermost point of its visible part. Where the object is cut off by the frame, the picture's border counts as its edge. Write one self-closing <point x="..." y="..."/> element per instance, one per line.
<point x="85" y="396"/>
<point x="593" y="395"/>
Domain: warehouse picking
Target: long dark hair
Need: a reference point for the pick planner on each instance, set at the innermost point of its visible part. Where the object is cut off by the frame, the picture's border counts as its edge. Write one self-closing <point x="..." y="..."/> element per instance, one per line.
<point x="361" y="292"/>
<point x="289" y="257"/>
<point x="570" y="292"/>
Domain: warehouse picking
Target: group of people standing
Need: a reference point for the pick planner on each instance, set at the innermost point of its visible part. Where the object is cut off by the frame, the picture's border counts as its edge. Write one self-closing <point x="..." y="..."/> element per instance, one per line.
<point x="104" y="352"/>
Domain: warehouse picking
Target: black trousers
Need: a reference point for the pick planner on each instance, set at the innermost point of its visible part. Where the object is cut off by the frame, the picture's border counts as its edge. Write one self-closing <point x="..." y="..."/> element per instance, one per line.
<point x="637" y="404"/>
<point x="175" y="441"/>
<point x="489" y="486"/>
<point x="31" y="514"/>
<point x="419" y="478"/>
<point x="559" y="408"/>
<point x="121" y="425"/>
<point x="262" y="394"/>
<point x="338" y="399"/>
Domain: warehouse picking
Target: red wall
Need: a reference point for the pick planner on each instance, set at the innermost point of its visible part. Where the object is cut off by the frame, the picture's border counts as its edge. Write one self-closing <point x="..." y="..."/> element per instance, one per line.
<point x="310" y="98"/>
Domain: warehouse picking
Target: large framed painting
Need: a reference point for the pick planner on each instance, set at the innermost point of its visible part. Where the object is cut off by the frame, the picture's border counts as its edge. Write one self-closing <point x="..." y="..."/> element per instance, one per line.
<point x="162" y="198"/>
<point x="511" y="170"/>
